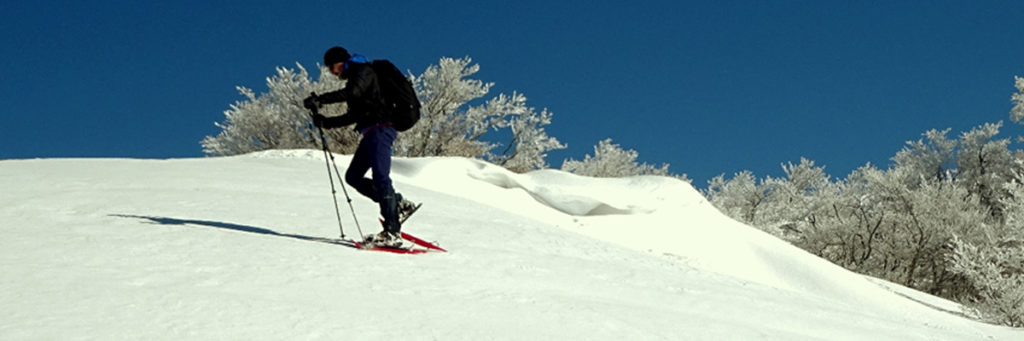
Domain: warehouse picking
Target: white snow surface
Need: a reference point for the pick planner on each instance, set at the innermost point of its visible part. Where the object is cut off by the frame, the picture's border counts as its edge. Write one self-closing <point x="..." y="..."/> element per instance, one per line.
<point x="234" y="248"/>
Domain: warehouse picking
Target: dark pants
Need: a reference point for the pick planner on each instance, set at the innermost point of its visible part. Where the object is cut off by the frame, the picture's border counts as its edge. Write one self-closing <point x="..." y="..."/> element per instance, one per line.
<point x="374" y="154"/>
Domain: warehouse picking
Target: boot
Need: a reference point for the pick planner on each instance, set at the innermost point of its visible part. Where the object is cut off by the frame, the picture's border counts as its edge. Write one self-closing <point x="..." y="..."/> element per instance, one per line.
<point x="384" y="238"/>
<point x="389" y="210"/>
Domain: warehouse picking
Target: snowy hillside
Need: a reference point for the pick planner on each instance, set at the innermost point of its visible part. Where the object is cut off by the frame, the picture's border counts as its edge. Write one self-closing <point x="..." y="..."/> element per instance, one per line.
<point x="234" y="248"/>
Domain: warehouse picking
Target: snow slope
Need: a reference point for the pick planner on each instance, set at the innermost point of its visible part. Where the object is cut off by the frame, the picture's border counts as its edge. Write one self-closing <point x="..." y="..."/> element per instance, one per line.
<point x="236" y="248"/>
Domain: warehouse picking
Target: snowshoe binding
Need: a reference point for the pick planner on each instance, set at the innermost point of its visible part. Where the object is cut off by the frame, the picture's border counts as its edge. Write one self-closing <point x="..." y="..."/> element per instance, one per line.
<point x="384" y="239"/>
<point x="405" y="210"/>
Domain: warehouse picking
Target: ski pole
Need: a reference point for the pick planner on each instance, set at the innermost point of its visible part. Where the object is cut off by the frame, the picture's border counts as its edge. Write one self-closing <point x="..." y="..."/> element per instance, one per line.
<point x="343" y="190"/>
<point x="329" y="159"/>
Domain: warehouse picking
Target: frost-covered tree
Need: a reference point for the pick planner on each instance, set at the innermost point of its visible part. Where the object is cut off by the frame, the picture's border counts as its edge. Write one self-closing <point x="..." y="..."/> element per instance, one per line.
<point x="846" y="227"/>
<point x="782" y="206"/>
<point x="740" y="197"/>
<point x="611" y="161"/>
<point x="1017" y="113"/>
<point x="793" y="203"/>
<point x="530" y="144"/>
<point x="918" y="225"/>
<point x="992" y="261"/>
<point x="449" y="126"/>
<point x="947" y="217"/>
<point x="276" y="119"/>
<point x="873" y="222"/>
<point x="996" y="273"/>
<point x="931" y="158"/>
<point x="986" y="164"/>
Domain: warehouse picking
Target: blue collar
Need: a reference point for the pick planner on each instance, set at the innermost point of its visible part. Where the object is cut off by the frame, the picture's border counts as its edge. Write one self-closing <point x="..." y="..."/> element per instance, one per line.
<point x="356" y="58"/>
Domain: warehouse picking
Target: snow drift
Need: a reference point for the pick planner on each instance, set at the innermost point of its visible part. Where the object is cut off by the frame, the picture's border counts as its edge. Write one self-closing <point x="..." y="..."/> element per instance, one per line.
<point x="235" y="248"/>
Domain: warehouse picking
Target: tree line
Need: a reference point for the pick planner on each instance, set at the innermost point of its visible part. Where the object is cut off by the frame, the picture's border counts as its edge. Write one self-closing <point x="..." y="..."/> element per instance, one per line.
<point x="946" y="217"/>
<point x="455" y="121"/>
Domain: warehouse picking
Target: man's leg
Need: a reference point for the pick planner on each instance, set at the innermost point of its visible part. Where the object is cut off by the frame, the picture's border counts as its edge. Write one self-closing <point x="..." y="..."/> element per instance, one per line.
<point x="356" y="173"/>
<point x="380" y="167"/>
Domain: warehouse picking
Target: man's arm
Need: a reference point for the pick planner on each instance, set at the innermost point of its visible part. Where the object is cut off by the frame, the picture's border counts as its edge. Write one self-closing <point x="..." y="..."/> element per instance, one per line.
<point x="356" y="86"/>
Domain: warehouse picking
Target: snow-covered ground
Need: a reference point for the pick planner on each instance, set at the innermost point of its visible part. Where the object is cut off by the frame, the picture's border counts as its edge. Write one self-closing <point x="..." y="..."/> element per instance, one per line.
<point x="234" y="248"/>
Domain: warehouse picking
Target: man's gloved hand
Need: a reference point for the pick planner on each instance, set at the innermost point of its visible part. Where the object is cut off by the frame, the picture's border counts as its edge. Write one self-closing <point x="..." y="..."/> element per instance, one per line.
<point x="311" y="102"/>
<point x="318" y="120"/>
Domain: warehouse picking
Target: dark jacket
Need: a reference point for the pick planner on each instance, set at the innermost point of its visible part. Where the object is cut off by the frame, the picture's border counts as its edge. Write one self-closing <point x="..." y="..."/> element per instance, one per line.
<point x="362" y="93"/>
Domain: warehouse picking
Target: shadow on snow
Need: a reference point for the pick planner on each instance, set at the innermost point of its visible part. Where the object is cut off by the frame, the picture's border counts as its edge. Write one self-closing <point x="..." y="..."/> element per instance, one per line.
<point x="234" y="227"/>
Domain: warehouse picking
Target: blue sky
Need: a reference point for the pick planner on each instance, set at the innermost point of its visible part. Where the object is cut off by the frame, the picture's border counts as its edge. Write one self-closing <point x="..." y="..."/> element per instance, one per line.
<point x="708" y="87"/>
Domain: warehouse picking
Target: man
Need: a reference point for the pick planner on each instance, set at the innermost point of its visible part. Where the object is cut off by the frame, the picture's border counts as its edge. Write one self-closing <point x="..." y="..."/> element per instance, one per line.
<point x="362" y="93"/>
